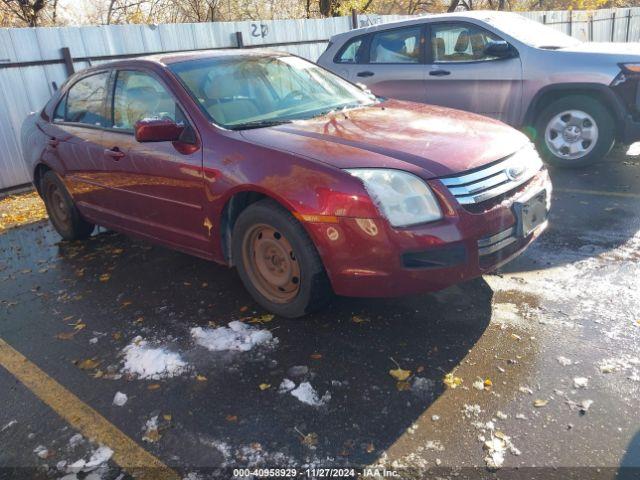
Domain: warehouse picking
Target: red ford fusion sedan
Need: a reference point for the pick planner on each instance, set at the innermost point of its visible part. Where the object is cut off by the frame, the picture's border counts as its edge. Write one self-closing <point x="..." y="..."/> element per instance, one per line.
<point x="306" y="183"/>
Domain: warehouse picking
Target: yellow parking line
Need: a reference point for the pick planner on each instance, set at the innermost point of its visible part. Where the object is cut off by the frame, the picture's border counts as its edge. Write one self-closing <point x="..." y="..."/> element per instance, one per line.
<point x="602" y="193"/>
<point x="126" y="453"/>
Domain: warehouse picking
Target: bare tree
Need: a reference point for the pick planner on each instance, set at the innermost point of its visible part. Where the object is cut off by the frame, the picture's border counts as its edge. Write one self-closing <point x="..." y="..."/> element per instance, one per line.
<point x="31" y="13"/>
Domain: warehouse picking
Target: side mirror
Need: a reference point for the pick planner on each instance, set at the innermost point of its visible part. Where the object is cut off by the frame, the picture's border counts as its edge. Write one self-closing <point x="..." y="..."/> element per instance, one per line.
<point x="157" y="130"/>
<point x="500" y="49"/>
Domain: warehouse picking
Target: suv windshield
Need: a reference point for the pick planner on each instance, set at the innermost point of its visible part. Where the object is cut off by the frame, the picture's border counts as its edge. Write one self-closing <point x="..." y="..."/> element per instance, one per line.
<point x="531" y="32"/>
<point x="239" y="92"/>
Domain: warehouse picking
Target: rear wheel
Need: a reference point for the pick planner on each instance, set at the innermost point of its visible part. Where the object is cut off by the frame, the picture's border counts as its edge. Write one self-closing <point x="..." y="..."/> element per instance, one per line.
<point x="277" y="261"/>
<point x="575" y="131"/>
<point x="62" y="211"/>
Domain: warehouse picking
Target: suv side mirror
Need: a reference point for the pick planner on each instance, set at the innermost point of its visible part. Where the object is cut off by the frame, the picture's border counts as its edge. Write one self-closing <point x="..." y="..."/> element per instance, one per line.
<point x="157" y="130"/>
<point x="500" y="49"/>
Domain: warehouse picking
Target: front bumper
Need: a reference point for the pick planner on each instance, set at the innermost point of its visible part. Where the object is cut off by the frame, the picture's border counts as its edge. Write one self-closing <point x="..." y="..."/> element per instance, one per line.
<point x="369" y="258"/>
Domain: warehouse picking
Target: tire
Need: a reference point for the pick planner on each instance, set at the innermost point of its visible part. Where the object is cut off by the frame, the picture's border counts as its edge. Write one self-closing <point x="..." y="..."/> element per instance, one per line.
<point x="563" y="129"/>
<point x="277" y="261"/>
<point x="62" y="211"/>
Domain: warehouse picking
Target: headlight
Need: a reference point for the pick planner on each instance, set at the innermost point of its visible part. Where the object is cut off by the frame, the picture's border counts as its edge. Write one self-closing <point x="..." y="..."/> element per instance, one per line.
<point x="630" y="67"/>
<point x="401" y="196"/>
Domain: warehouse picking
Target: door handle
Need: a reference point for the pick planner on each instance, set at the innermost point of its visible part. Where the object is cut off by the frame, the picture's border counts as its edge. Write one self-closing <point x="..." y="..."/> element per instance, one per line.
<point x="439" y="73"/>
<point x="53" y="142"/>
<point x="114" y="153"/>
<point x="366" y="73"/>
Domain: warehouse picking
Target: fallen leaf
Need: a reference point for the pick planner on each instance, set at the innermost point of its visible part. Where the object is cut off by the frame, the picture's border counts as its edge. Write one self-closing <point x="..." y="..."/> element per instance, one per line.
<point x="105" y="277"/>
<point x="540" y="403"/>
<point x="316" y="356"/>
<point x="201" y="378"/>
<point x="66" y="335"/>
<point x="452" y="381"/>
<point x="400" y="374"/>
<point x="231" y="418"/>
<point x="154" y="386"/>
<point x="370" y="448"/>
<point x="152" y="435"/>
<point x="80" y="326"/>
<point x="359" y="319"/>
<point x="244" y="309"/>
<point x="262" y="319"/>
<point x="488" y="383"/>
<point x="403" y="386"/>
<point x="167" y="417"/>
<point x="116" y="335"/>
<point x="264" y="386"/>
<point x="89" y="364"/>
<point x="310" y="440"/>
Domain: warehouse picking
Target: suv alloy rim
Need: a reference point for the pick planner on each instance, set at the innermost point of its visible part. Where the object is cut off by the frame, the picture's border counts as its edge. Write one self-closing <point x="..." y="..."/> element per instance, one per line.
<point x="571" y="134"/>
<point x="271" y="264"/>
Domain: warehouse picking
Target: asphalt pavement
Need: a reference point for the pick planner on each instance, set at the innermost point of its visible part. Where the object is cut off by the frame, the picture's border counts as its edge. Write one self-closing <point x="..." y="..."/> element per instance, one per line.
<point x="533" y="371"/>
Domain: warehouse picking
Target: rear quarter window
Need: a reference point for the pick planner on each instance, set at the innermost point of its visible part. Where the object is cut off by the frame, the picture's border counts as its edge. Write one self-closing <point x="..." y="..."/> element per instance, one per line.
<point x="350" y="52"/>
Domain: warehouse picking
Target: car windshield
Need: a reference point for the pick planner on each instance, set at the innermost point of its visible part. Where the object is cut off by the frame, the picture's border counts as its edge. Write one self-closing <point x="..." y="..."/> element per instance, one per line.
<point x="532" y="33"/>
<point x="239" y="92"/>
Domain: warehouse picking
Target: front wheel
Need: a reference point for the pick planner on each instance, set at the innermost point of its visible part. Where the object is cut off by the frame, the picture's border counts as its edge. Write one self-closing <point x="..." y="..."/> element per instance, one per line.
<point x="277" y="261"/>
<point x="574" y="131"/>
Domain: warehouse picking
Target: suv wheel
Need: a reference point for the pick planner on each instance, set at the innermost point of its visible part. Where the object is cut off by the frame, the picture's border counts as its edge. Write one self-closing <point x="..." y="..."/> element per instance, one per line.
<point x="574" y="131"/>
<point x="62" y="211"/>
<point x="277" y="261"/>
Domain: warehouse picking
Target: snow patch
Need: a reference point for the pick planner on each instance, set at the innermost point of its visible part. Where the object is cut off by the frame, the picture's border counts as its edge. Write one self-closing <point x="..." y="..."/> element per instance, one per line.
<point x="98" y="457"/>
<point x="307" y="394"/>
<point x="153" y="363"/>
<point x="237" y="336"/>
<point x="120" y="399"/>
<point x="580" y="382"/>
<point x="286" y="386"/>
<point x="41" y="451"/>
<point x="8" y="425"/>
<point x="75" y="440"/>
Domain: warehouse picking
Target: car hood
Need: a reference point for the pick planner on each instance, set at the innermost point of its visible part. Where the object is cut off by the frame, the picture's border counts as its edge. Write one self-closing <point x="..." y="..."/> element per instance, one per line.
<point x="624" y="50"/>
<point x="428" y="140"/>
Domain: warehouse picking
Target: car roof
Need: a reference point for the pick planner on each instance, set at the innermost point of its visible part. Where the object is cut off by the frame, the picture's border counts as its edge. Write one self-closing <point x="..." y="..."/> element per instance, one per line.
<point x="170" y="58"/>
<point x="482" y="15"/>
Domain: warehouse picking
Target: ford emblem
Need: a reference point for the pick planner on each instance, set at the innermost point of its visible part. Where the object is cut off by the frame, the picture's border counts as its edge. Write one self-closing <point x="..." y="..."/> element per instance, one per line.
<point x="515" y="172"/>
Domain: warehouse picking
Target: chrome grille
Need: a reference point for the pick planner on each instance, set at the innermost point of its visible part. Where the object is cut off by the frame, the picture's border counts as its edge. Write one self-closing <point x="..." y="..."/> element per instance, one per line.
<point x="495" y="179"/>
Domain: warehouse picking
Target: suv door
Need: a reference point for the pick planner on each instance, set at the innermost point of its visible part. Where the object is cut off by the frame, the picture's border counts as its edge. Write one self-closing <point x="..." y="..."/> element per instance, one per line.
<point x="76" y="136"/>
<point x="390" y="62"/>
<point x="160" y="183"/>
<point x="461" y="75"/>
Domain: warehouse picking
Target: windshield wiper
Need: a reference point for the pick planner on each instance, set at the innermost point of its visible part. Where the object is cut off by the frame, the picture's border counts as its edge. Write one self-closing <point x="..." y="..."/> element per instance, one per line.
<point x="258" y="124"/>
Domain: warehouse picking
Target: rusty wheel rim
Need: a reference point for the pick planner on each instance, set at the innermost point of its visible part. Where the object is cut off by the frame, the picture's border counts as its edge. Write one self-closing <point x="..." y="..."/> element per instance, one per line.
<point x="271" y="263"/>
<point x="57" y="207"/>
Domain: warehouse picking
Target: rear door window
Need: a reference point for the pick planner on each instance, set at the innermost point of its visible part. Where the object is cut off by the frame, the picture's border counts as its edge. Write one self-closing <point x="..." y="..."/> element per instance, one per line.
<point x="85" y="101"/>
<point x="401" y="45"/>
<point x="460" y="42"/>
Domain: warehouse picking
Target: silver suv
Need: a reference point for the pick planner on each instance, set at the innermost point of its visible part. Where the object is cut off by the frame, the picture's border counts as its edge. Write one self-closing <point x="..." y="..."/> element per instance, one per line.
<point x="574" y="99"/>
